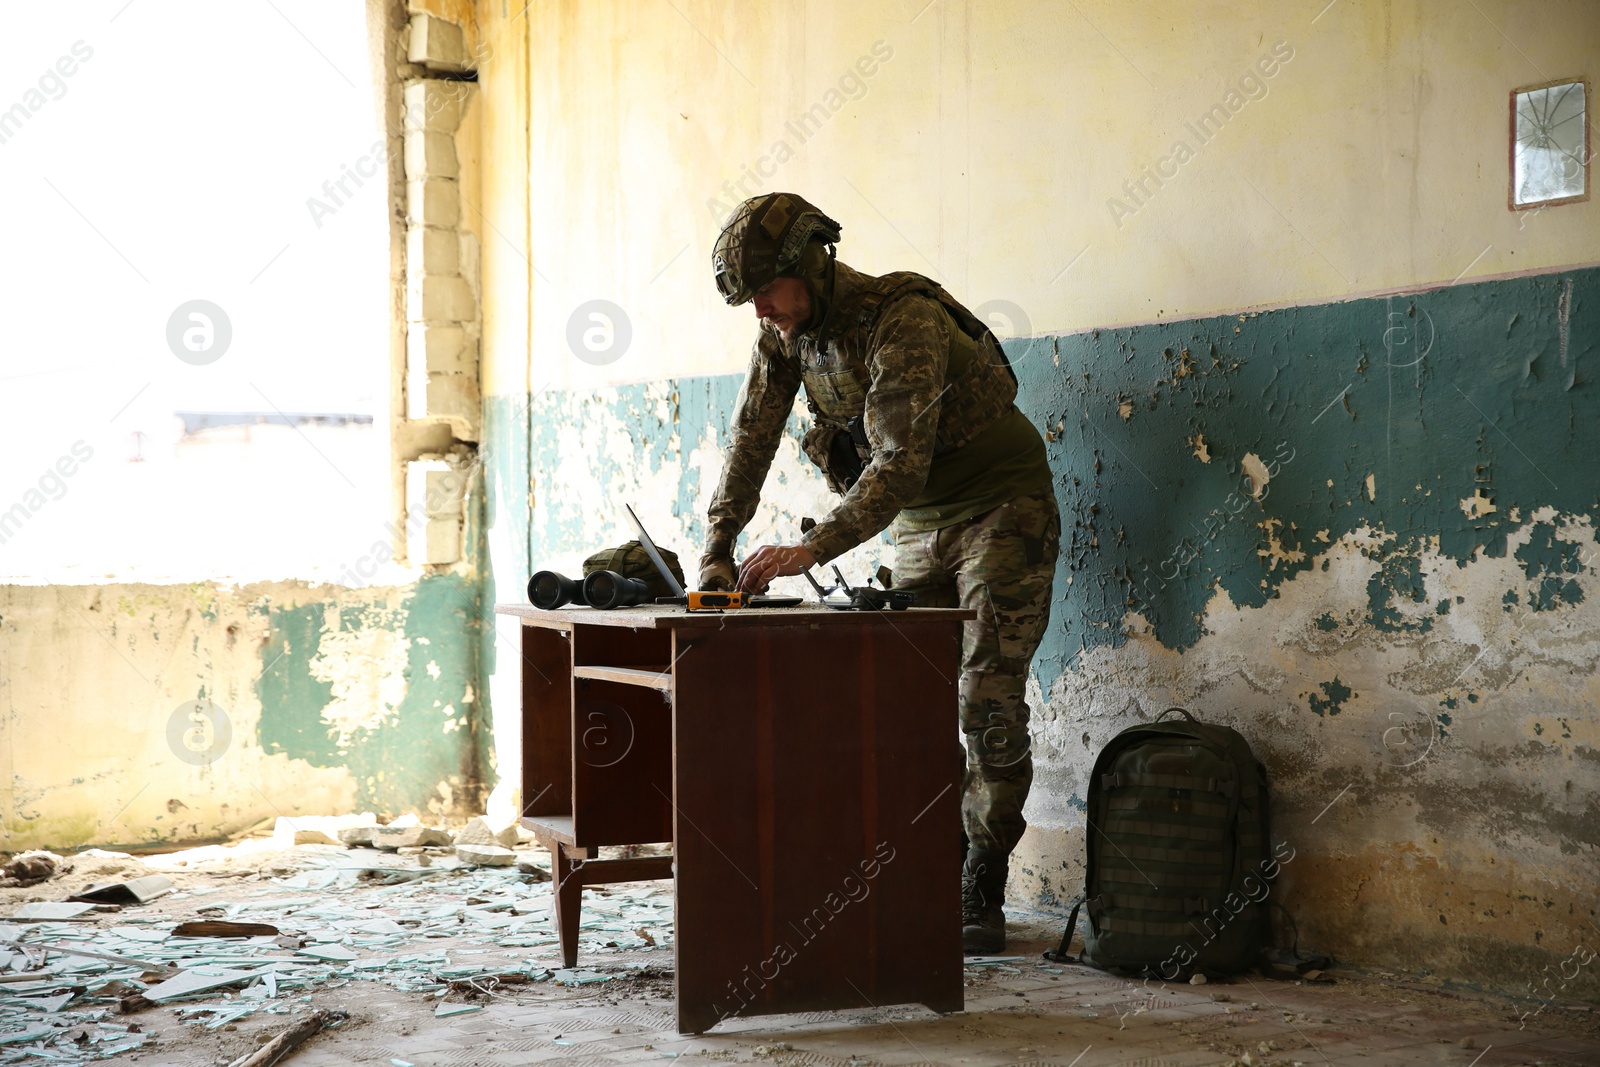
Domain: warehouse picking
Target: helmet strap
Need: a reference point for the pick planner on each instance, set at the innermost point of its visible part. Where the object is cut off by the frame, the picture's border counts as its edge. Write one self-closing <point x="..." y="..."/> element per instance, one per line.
<point x="822" y="291"/>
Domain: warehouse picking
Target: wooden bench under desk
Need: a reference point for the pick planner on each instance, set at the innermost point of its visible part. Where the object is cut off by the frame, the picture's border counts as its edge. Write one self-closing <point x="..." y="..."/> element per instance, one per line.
<point x="801" y="762"/>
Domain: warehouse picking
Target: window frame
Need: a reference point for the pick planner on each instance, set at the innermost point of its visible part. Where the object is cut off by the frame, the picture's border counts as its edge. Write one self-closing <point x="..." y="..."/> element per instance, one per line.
<point x="1511" y="147"/>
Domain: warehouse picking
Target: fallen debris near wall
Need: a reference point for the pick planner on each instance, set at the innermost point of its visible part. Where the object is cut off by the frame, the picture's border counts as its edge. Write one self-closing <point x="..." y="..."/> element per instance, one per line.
<point x="31" y="868"/>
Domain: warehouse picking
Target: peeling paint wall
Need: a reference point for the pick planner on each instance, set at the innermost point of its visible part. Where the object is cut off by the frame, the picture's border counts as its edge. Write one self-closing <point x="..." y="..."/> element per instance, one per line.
<point x="1418" y="674"/>
<point x="142" y="715"/>
<point x="1359" y="527"/>
<point x="1416" y="670"/>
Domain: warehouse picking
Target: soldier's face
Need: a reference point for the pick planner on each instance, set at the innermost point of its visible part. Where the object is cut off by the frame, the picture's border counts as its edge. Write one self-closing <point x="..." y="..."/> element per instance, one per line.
<point x="785" y="305"/>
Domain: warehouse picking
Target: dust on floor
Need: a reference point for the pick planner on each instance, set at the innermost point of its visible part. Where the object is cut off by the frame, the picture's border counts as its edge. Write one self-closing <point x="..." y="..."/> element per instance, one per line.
<point x="436" y="962"/>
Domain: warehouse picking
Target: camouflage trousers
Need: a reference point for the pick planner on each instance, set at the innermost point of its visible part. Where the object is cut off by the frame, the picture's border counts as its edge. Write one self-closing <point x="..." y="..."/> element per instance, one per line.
<point x="1000" y="564"/>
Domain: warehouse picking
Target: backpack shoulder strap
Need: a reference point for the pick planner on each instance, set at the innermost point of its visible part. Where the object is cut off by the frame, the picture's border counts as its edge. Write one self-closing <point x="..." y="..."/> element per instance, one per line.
<point x="1062" y="955"/>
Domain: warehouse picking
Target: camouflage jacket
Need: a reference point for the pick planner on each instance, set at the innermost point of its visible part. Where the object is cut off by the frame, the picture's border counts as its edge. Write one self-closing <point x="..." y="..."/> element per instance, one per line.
<point x="924" y="374"/>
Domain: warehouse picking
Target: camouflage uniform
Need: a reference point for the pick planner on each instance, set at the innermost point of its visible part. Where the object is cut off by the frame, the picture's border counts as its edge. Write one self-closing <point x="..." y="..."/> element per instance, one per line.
<point x="1000" y="564"/>
<point x="926" y="378"/>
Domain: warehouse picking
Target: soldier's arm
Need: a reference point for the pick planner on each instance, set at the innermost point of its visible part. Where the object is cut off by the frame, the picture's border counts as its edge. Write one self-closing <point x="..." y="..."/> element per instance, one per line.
<point x="910" y="348"/>
<point x="759" y="415"/>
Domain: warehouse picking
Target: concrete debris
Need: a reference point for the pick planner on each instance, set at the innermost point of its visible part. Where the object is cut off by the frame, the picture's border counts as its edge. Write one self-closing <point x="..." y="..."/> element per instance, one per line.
<point x="395" y="837"/>
<point x="289" y="831"/>
<point x="485" y="855"/>
<point x="405" y="834"/>
<point x="479" y="832"/>
<point x="31" y="868"/>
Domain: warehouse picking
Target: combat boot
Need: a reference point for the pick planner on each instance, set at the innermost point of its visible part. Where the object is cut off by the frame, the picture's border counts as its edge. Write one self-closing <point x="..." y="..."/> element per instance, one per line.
<point x="983" y="891"/>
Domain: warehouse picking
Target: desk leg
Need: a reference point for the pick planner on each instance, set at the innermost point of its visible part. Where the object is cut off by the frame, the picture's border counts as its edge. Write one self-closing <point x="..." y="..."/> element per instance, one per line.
<point x="566" y="894"/>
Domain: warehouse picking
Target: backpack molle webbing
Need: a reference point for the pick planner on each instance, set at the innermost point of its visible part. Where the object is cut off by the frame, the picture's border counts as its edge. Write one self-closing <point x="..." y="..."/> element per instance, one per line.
<point x="1178" y="865"/>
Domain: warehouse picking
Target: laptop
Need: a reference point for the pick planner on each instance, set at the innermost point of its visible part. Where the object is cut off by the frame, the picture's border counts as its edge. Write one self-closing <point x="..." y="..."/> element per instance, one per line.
<point x="679" y="594"/>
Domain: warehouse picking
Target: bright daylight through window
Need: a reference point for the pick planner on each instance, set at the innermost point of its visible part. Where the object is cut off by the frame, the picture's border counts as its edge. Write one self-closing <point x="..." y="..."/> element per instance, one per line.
<point x="196" y="363"/>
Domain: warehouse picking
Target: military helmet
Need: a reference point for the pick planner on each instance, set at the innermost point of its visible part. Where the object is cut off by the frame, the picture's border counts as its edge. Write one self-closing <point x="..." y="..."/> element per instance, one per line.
<point x="763" y="240"/>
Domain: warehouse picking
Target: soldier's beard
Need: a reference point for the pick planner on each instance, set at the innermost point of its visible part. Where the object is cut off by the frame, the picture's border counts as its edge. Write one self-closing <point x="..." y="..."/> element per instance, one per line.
<point x="787" y="328"/>
<point x="791" y="325"/>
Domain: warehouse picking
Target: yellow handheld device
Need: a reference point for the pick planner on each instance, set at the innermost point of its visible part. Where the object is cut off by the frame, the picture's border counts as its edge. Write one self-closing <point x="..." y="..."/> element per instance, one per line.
<point x="704" y="600"/>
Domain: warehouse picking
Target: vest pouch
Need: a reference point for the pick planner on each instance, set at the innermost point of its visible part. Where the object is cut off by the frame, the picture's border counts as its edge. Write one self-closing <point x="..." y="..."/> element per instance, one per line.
<point x="837" y="449"/>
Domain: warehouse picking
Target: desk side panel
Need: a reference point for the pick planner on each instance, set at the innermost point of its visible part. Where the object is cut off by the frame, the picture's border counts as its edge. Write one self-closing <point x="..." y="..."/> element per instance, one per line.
<point x="546" y="721"/>
<point x="817" y="819"/>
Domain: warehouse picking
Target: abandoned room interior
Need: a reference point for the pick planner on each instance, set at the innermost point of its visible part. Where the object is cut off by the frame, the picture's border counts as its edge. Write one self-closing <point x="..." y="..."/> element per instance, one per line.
<point x="440" y="623"/>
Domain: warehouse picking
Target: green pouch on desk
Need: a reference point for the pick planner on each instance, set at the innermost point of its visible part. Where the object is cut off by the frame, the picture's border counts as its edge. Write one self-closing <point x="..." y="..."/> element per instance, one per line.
<point x="632" y="561"/>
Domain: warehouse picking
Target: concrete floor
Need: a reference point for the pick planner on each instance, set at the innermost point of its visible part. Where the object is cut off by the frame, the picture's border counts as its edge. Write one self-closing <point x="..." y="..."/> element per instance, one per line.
<point x="1081" y="1019"/>
<point x="1026" y="1012"/>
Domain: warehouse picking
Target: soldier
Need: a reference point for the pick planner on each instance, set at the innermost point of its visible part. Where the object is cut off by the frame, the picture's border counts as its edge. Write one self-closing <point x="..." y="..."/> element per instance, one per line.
<point x="914" y="424"/>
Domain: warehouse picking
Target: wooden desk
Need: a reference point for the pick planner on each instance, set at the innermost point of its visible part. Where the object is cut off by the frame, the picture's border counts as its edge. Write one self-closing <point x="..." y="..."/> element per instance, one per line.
<point x="803" y="764"/>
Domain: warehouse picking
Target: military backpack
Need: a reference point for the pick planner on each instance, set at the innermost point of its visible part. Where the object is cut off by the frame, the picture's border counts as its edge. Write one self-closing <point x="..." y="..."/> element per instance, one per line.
<point x="1179" y="858"/>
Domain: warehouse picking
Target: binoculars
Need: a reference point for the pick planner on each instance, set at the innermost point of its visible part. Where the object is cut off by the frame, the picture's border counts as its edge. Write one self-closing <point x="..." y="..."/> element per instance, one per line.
<point x="600" y="589"/>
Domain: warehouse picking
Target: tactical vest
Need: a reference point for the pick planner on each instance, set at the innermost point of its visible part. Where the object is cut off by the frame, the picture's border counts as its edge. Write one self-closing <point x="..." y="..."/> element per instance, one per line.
<point x="980" y="384"/>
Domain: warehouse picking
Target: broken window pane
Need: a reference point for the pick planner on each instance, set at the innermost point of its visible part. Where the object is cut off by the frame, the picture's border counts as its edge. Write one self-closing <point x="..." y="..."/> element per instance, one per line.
<point x="1550" y="152"/>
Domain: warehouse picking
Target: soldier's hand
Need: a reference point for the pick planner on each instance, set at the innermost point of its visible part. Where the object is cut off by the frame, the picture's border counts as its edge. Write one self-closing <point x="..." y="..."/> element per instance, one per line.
<point x="716" y="571"/>
<point x="773" y="561"/>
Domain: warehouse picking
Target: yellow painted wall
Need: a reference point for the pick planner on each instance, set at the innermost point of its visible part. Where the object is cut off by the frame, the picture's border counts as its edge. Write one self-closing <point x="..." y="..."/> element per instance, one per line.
<point x="986" y="149"/>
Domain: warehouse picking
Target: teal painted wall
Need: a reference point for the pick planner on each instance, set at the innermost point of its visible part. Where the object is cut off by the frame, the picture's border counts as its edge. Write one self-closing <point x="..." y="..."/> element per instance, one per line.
<point x="1485" y="388"/>
<point x="1437" y="395"/>
<point x="422" y="753"/>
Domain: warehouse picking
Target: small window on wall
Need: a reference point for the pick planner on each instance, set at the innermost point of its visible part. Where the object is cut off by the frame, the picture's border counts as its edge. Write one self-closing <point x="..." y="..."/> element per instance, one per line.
<point x="1549" y="144"/>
